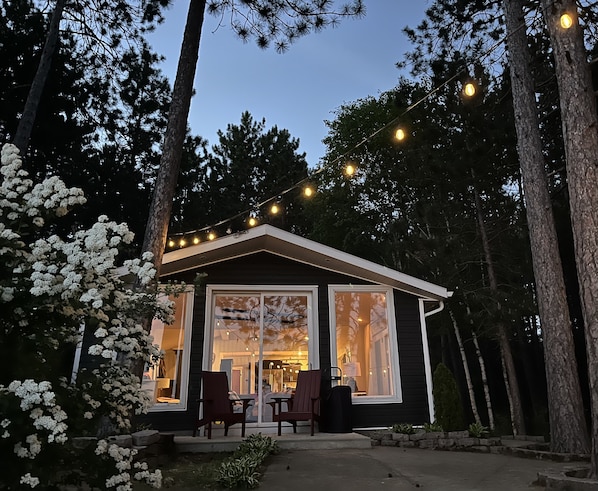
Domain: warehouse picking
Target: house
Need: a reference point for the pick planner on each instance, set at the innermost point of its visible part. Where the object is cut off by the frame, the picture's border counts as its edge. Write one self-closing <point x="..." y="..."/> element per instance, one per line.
<point x="272" y="304"/>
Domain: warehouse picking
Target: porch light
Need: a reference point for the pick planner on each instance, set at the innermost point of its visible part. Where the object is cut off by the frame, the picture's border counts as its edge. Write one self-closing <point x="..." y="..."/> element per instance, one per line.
<point x="566" y="21"/>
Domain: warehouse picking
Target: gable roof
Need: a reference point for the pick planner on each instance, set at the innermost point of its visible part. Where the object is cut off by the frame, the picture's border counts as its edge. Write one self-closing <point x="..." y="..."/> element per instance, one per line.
<point x="276" y="241"/>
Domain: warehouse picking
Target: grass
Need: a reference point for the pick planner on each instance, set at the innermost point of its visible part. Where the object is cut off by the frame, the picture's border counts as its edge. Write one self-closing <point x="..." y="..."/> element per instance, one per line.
<point x="190" y="471"/>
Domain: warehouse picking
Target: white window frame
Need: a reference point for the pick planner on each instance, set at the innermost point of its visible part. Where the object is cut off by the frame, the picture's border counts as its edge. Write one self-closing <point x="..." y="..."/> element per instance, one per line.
<point x="187" y="320"/>
<point x="392" y="334"/>
<point x="311" y="292"/>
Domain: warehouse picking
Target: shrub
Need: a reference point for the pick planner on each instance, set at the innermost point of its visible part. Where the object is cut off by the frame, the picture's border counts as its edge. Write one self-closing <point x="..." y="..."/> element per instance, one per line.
<point x="50" y="289"/>
<point x="447" y="401"/>
<point x="477" y="430"/>
<point x="404" y="428"/>
<point x="432" y="427"/>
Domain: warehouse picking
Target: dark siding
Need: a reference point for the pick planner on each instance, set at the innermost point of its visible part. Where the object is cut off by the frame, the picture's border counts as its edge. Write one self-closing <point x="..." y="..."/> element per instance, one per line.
<point x="266" y="269"/>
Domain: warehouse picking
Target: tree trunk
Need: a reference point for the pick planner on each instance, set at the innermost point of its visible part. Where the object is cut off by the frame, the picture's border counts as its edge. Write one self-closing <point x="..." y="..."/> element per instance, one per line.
<point x="25" y="127"/>
<point x="487" y="398"/>
<point x="580" y="134"/>
<point x="470" y="390"/>
<point x="568" y="427"/>
<point x="172" y="148"/>
<point x="506" y="354"/>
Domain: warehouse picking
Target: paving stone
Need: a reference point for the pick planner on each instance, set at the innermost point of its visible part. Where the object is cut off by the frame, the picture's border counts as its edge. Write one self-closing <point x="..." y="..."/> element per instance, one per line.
<point x="144" y="438"/>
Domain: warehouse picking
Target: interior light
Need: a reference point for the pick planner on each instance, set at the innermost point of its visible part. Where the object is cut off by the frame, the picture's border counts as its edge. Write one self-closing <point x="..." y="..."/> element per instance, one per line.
<point x="566" y="21"/>
<point x="400" y="134"/>
<point x="469" y="89"/>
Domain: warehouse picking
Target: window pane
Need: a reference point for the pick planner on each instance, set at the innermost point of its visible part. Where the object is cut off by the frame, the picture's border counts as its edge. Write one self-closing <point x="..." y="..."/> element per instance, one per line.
<point x="362" y="342"/>
<point x="164" y="380"/>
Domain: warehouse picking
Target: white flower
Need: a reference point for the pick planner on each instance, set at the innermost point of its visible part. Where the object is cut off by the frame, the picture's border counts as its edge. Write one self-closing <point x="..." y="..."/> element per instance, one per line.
<point x="29" y="480"/>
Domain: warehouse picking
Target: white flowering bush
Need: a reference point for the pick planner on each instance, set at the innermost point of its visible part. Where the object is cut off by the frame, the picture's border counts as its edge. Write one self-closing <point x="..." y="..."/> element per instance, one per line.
<point x="52" y="290"/>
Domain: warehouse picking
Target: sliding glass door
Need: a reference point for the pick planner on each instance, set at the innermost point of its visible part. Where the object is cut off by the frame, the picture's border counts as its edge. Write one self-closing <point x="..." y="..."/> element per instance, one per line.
<point x="262" y="340"/>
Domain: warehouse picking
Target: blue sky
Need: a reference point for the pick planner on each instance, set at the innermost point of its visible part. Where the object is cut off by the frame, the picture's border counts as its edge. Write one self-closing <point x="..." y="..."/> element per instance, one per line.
<point x="296" y="90"/>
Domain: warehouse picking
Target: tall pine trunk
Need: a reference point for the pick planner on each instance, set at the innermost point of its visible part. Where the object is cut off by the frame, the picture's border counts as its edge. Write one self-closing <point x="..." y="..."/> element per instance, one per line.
<point x="580" y="134"/>
<point x="506" y="354"/>
<point x="568" y="428"/>
<point x="34" y="96"/>
<point x="172" y="148"/>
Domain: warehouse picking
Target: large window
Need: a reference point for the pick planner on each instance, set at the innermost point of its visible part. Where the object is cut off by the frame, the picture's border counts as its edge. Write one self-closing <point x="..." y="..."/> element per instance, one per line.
<point x="261" y="339"/>
<point x="363" y="341"/>
<point x="166" y="381"/>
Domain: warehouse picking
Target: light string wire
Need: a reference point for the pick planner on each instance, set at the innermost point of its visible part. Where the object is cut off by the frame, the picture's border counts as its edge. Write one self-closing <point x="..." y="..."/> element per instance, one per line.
<point x="343" y="157"/>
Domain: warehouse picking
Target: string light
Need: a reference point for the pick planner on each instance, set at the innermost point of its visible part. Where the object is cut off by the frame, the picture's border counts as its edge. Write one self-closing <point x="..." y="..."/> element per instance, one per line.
<point x="469" y="89"/>
<point x="182" y="243"/>
<point x="400" y="134"/>
<point x="566" y="20"/>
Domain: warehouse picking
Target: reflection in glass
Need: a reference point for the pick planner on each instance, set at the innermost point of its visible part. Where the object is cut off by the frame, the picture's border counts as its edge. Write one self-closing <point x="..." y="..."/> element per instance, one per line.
<point x="261" y="341"/>
<point x="362" y="342"/>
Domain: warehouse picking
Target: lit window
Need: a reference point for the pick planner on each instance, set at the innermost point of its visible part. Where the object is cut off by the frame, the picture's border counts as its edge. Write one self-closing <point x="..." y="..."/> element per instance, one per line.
<point x="166" y="380"/>
<point x="364" y="342"/>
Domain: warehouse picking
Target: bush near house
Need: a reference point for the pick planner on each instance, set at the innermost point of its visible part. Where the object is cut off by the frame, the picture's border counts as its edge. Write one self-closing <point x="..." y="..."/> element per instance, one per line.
<point x="51" y="288"/>
<point x="447" y="402"/>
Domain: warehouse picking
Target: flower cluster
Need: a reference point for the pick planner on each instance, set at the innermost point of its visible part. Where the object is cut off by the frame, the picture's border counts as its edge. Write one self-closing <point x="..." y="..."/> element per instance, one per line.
<point x="123" y="459"/>
<point x="52" y="289"/>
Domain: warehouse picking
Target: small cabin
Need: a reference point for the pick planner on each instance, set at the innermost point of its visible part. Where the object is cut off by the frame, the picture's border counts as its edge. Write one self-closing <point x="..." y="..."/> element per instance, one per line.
<point x="271" y="304"/>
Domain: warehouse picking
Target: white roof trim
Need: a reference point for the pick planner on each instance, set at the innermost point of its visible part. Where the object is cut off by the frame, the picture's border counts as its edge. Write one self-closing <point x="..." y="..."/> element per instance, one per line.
<point x="276" y="241"/>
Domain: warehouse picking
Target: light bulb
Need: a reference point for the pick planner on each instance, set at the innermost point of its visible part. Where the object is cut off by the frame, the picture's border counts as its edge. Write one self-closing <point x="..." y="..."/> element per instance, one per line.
<point x="566" y="21"/>
<point x="211" y="236"/>
<point x="252" y="222"/>
<point x="274" y="209"/>
<point x="308" y="192"/>
<point x="469" y="89"/>
<point x="349" y="169"/>
<point x="400" y="134"/>
<point x="196" y="240"/>
<point x="182" y="243"/>
<point x="171" y="243"/>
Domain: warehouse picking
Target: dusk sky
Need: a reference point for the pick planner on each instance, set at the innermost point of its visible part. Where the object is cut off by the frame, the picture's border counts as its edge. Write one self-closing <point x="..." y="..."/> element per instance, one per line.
<point x="296" y="90"/>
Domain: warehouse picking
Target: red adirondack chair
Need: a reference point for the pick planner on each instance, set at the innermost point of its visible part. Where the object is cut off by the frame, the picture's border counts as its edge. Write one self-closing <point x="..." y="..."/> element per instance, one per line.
<point x="218" y="406"/>
<point x="303" y="405"/>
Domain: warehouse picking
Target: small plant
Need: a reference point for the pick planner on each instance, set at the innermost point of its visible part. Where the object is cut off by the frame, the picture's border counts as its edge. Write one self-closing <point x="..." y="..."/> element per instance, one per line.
<point x="241" y="470"/>
<point x="405" y="428"/>
<point x="432" y="427"/>
<point x="477" y="430"/>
